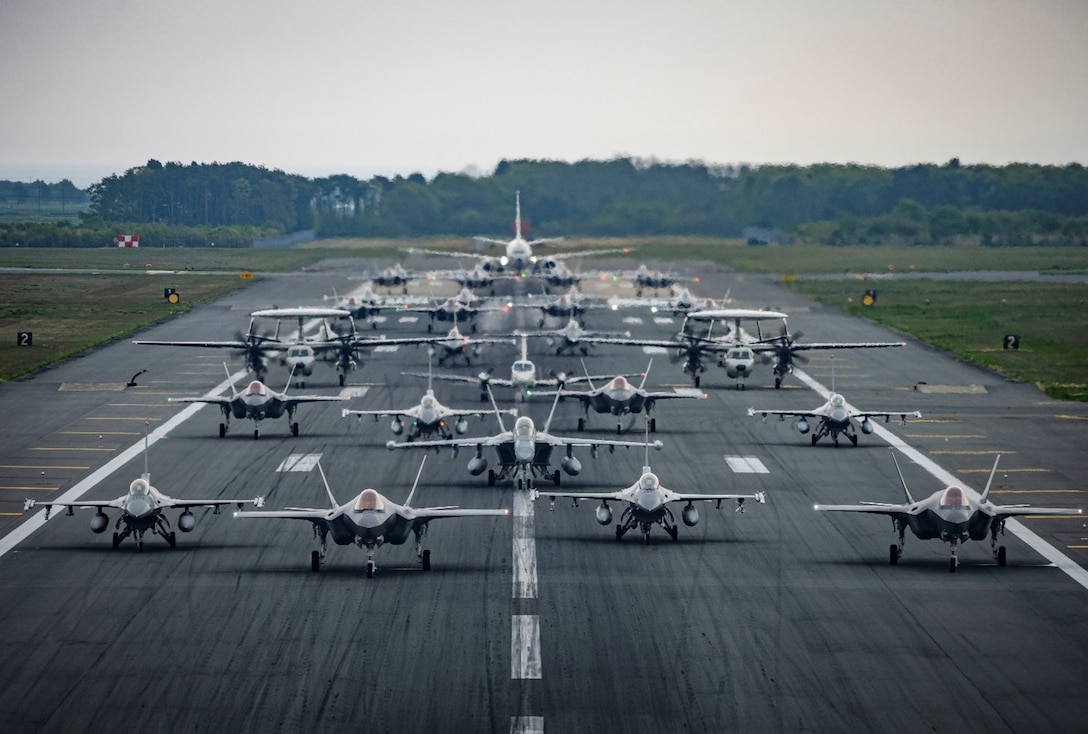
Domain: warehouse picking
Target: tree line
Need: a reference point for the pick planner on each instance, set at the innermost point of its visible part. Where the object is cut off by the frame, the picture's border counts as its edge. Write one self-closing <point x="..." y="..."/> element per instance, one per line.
<point x="830" y="203"/>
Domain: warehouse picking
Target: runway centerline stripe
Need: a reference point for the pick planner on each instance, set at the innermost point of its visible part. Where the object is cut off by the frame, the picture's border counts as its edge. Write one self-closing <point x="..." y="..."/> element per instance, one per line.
<point x="527" y="725"/>
<point x="1040" y="546"/>
<point x="37" y="520"/>
<point x="525" y="647"/>
<point x="525" y="580"/>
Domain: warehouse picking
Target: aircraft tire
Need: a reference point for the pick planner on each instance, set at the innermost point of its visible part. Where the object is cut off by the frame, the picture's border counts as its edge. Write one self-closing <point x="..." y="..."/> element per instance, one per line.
<point x="222" y="430"/>
<point x="777" y="383"/>
<point x="619" y="532"/>
<point x="653" y="425"/>
<point x="341" y="380"/>
<point x="256" y="434"/>
<point x="370" y="569"/>
<point x="116" y="540"/>
<point x="427" y="559"/>
<point x="557" y="478"/>
<point x="581" y="424"/>
<point x="1002" y="559"/>
<point x="951" y="565"/>
<point x="697" y="380"/>
<point x="294" y="429"/>
<point x="854" y="440"/>
<point x="491" y="477"/>
<point x="315" y="561"/>
<point x="140" y="546"/>
<point x="172" y="539"/>
<point x="893" y="554"/>
<point x="814" y="440"/>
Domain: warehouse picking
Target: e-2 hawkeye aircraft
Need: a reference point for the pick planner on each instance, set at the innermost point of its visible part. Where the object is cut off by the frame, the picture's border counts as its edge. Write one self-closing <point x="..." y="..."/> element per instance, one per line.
<point x="524" y="452"/>
<point x="369" y="521"/>
<point x="953" y="514"/>
<point x="142" y="509"/>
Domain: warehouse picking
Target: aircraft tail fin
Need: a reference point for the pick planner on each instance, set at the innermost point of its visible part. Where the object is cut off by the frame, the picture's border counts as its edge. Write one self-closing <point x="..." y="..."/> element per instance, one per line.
<point x="990" y="481"/>
<point x="408" y="502"/>
<point x="901" y="479"/>
<point x="328" y="489"/>
<point x="558" y="393"/>
<point x="646" y="374"/>
<point x="517" y="214"/>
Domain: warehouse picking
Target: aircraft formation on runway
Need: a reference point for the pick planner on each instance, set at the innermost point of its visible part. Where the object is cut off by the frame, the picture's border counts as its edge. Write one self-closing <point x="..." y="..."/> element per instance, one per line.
<point x="711" y="332"/>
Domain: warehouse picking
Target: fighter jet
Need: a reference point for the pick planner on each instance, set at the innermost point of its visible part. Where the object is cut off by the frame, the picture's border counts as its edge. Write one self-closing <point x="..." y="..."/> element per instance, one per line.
<point x="392" y="276"/>
<point x="366" y="305"/>
<point x="142" y="510"/>
<point x="619" y="397"/>
<point x="573" y="337"/>
<point x="523" y="376"/>
<point x="523" y="453"/>
<point x="835" y="417"/>
<point x="428" y="418"/>
<point x="369" y="521"/>
<point x="257" y="403"/>
<point x="647" y="505"/>
<point x="464" y="307"/>
<point x="953" y="514"/>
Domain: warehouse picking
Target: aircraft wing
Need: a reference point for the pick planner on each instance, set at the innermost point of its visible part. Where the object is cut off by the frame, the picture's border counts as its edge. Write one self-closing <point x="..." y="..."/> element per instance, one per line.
<point x="885" y="414"/>
<point x="1002" y="511"/>
<point x="616" y="496"/>
<point x="208" y="344"/>
<point x="461" y="443"/>
<point x="770" y="346"/>
<point x="216" y="399"/>
<point x="293" y="513"/>
<point x="759" y="497"/>
<point x="115" y="503"/>
<point x="426" y="514"/>
<point x="171" y="502"/>
<point x="791" y="413"/>
<point x="469" y="379"/>
<point x="874" y="508"/>
<point x="299" y="399"/>
<point x="553" y="440"/>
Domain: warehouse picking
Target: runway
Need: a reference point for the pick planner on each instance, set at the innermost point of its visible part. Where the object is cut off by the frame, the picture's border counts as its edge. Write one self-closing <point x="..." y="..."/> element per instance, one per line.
<point x="777" y="619"/>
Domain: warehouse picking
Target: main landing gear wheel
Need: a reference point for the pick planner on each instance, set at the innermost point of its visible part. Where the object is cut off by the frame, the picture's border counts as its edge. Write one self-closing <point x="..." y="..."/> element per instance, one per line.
<point x="777" y="383"/>
<point x="1001" y="558"/>
<point x="893" y="554"/>
<point x="557" y="478"/>
<point x="172" y="539"/>
<point x="294" y="429"/>
<point x="315" y="561"/>
<point x="370" y="569"/>
<point x="581" y="424"/>
<point x="697" y="380"/>
<point x="653" y="425"/>
<point x="675" y="533"/>
<point x="619" y="532"/>
<point x="951" y="565"/>
<point x="491" y="477"/>
<point x="256" y="434"/>
<point x="140" y="545"/>
<point x="341" y="380"/>
<point x="116" y="540"/>
<point x="854" y="440"/>
<point x="427" y="559"/>
<point x="814" y="439"/>
<point x="222" y="430"/>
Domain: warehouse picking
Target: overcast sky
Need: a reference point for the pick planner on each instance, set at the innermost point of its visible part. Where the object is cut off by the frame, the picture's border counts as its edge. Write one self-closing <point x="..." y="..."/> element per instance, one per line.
<point x="91" y="88"/>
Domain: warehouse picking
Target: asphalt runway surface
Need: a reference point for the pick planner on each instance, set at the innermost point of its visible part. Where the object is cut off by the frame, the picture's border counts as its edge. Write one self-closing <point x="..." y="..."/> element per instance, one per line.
<point x="777" y="619"/>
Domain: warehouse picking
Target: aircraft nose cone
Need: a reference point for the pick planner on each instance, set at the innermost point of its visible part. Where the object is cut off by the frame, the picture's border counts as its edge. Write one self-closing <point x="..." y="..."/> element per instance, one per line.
<point x="138" y="508"/>
<point x="648" y="503"/>
<point x="524" y="450"/>
<point x="838" y="415"/>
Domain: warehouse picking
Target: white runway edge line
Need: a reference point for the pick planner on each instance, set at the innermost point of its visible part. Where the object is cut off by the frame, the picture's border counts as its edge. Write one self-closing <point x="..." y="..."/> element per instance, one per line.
<point x="37" y="521"/>
<point x="1043" y="548"/>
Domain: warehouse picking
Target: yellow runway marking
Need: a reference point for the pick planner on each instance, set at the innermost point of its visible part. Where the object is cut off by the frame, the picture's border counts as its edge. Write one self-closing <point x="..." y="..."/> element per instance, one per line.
<point x="40" y="466"/>
<point x="99" y="433"/>
<point x="1037" y="491"/>
<point x="1003" y="471"/>
<point x="11" y="514"/>
<point x="31" y="489"/>
<point x="140" y="405"/>
<point x="93" y="418"/>
<point x="989" y="452"/>
<point x="73" y="448"/>
<point x="934" y="420"/>
<point x="1072" y="417"/>
<point x="941" y="435"/>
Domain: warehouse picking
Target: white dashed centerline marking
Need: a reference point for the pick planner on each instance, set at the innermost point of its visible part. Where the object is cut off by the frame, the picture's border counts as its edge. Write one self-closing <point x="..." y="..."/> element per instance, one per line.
<point x="746" y="465"/>
<point x="525" y="647"/>
<point x="525" y="585"/>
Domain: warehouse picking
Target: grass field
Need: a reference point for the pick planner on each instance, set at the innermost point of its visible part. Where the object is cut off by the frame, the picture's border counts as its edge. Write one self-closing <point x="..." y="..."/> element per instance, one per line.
<point x="70" y="313"/>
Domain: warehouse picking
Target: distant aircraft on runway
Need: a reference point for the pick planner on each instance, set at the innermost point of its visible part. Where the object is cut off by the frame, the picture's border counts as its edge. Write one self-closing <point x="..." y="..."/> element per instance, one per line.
<point x="258" y="402"/>
<point x="369" y="521"/>
<point x="142" y="510"/>
<point x="950" y="514"/>
<point x="647" y="504"/>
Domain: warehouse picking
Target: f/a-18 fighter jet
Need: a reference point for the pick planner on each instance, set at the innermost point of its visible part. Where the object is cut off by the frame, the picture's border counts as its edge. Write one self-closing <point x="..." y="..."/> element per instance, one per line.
<point x="369" y="521"/>
<point x="953" y="514"/>
<point x="142" y="509"/>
